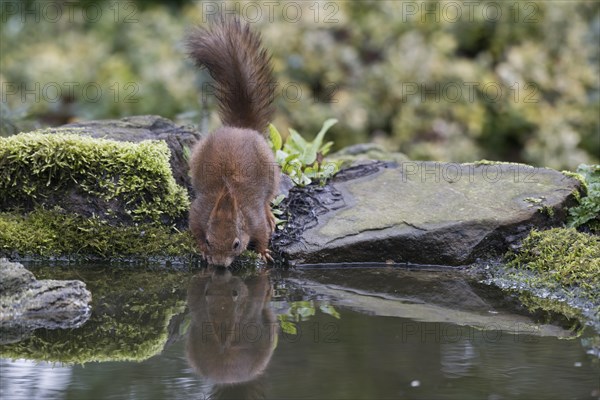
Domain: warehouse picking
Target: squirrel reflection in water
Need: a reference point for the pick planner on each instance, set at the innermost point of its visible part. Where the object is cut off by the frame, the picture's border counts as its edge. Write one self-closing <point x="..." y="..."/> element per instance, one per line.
<point x="233" y="331"/>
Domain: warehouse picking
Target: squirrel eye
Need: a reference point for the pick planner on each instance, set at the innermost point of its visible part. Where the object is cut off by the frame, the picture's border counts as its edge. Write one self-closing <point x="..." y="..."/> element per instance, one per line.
<point x="207" y="242"/>
<point x="236" y="244"/>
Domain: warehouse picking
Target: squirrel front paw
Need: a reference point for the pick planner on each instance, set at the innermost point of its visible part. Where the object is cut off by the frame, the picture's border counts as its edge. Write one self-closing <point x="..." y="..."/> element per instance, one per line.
<point x="265" y="255"/>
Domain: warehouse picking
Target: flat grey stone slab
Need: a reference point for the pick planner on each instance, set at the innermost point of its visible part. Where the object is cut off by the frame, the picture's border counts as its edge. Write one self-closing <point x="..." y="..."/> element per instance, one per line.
<point x="430" y="213"/>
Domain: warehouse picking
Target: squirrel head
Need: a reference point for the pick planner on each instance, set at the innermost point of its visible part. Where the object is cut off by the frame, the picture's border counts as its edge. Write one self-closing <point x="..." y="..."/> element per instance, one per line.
<point x="225" y="235"/>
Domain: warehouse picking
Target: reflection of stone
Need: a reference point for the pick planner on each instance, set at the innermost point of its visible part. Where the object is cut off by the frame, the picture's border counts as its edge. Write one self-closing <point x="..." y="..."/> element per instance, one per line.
<point x="233" y="331"/>
<point x="421" y="298"/>
<point x="27" y="304"/>
<point x="422" y="212"/>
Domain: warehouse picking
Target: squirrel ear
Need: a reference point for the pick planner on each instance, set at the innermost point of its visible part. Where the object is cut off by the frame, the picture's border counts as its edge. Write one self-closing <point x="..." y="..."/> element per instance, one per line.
<point x="225" y="205"/>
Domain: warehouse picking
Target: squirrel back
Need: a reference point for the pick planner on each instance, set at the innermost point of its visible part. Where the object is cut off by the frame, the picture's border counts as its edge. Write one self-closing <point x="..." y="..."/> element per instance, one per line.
<point x="235" y="59"/>
<point x="233" y="169"/>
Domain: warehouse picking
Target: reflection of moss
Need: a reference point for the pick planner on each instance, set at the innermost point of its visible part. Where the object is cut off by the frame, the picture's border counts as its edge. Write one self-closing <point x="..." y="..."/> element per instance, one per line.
<point x="53" y="233"/>
<point x="131" y="311"/>
<point x="39" y="166"/>
<point x="573" y="316"/>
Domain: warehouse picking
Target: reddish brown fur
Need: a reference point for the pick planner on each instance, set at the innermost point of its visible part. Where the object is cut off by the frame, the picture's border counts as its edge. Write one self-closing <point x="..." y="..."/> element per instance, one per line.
<point x="233" y="56"/>
<point x="233" y="170"/>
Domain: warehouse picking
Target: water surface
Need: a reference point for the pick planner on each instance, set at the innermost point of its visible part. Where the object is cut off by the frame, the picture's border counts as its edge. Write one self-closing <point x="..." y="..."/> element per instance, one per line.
<point x="303" y="335"/>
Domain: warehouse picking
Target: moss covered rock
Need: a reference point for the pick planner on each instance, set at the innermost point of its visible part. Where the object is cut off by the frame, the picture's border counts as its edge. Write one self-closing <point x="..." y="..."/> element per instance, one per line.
<point x="562" y="256"/>
<point x="67" y="194"/>
<point x="122" y="181"/>
<point x="45" y="234"/>
<point x="138" y="128"/>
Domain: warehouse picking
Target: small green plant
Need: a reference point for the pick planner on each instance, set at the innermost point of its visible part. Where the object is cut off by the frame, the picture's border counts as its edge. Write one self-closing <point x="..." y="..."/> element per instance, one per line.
<point x="588" y="210"/>
<point x="301" y="160"/>
<point x="277" y="213"/>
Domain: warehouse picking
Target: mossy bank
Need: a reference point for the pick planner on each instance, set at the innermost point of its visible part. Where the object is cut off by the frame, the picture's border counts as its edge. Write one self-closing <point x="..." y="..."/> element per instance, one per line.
<point x="64" y="194"/>
<point x="122" y="181"/>
<point x="556" y="270"/>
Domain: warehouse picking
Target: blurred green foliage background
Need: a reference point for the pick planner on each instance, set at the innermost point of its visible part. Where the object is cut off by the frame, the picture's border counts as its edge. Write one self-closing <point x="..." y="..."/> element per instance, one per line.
<point x="441" y="80"/>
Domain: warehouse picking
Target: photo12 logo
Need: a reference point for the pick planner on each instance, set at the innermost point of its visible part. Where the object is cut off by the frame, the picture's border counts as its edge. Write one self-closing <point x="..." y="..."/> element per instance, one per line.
<point x="54" y="92"/>
<point x="470" y="11"/>
<point x="289" y="11"/>
<point x="69" y="11"/>
<point x="454" y="92"/>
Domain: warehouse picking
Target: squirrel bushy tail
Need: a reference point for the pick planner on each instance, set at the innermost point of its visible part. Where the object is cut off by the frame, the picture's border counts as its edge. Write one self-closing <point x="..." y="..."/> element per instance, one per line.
<point x="234" y="57"/>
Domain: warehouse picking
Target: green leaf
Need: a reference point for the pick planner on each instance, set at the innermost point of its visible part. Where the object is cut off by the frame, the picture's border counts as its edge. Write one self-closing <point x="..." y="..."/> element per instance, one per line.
<point x="326" y="125"/>
<point x="588" y="210"/>
<point x="281" y="156"/>
<point x="324" y="150"/>
<point x="275" y="138"/>
<point x="277" y="200"/>
<point x="295" y="143"/>
<point x="298" y="157"/>
<point x="307" y="153"/>
<point x="314" y="146"/>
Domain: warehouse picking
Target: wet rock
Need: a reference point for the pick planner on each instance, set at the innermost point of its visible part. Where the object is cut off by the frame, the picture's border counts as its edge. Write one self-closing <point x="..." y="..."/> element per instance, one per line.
<point x="422" y="212"/>
<point x="148" y="127"/>
<point x="364" y="152"/>
<point x="27" y="304"/>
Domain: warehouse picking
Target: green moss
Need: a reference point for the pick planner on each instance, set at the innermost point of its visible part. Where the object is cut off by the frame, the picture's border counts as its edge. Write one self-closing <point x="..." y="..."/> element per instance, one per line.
<point x="557" y="271"/>
<point x="490" y="162"/>
<point x="37" y="167"/>
<point x="54" y="233"/>
<point x="564" y="256"/>
<point x="575" y="175"/>
<point x="131" y="312"/>
<point x="547" y="210"/>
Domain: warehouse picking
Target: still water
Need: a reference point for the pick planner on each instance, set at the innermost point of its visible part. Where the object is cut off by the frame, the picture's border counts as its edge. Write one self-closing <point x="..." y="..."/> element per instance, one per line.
<point x="313" y="334"/>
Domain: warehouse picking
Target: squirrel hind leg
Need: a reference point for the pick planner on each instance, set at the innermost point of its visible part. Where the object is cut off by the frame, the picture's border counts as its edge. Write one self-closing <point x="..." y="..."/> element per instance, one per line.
<point x="270" y="218"/>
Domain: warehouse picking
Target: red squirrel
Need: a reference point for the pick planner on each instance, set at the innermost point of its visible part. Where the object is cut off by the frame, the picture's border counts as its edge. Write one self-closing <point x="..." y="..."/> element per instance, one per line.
<point x="233" y="170"/>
